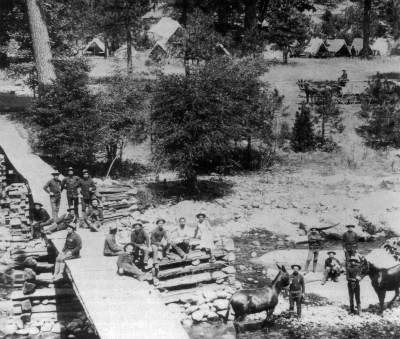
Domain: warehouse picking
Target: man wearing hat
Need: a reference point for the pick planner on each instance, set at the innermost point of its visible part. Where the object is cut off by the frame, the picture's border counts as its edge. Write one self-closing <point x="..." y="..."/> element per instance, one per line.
<point x="126" y="263"/>
<point x="94" y="217"/>
<point x="141" y="241"/>
<point x="88" y="189"/>
<point x="180" y="238"/>
<point x="111" y="248"/>
<point x="296" y="290"/>
<point x="71" y="184"/>
<point x="350" y="242"/>
<point x="71" y="250"/>
<point x="203" y="235"/>
<point x="39" y="218"/>
<point x="343" y="79"/>
<point x="332" y="268"/>
<point x="353" y="274"/>
<point x="53" y="188"/>
<point x="314" y="246"/>
<point x="159" y="242"/>
<point x="62" y="222"/>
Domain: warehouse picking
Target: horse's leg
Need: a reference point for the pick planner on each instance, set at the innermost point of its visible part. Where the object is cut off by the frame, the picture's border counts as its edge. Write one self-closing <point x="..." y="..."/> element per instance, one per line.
<point x="236" y="324"/>
<point x="396" y="294"/>
<point x="268" y="317"/>
<point x="381" y="296"/>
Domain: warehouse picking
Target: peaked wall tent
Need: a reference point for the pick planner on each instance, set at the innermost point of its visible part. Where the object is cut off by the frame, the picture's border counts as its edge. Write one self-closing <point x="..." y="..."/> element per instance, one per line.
<point x="164" y="29"/>
<point x="316" y="48"/>
<point x="159" y="52"/>
<point x="121" y="53"/>
<point x="395" y="48"/>
<point x="95" y="47"/>
<point x="356" y="46"/>
<point x="381" y="47"/>
<point x="337" y="47"/>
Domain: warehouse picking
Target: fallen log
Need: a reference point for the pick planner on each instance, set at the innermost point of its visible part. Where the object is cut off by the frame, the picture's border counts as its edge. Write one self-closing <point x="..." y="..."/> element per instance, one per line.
<point x="56" y="308"/>
<point x="186" y="280"/>
<point x="173" y="272"/>
<point x="48" y="292"/>
<point x="194" y="255"/>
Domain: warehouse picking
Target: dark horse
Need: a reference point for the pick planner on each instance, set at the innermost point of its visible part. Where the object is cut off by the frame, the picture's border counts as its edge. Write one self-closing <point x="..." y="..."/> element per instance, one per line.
<point x="246" y="302"/>
<point x="383" y="280"/>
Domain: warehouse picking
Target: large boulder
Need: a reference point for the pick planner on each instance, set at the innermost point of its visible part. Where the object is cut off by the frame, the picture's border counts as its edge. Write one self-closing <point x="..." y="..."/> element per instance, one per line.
<point x="221" y="304"/>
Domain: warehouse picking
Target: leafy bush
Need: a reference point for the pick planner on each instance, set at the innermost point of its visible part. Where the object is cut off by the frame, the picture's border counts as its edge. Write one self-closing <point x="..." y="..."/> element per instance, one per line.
<point x="303" y="138"/>
<point x="65" y="116"/>
<point x="201" y="116"/>
<point x="380" y="111"/>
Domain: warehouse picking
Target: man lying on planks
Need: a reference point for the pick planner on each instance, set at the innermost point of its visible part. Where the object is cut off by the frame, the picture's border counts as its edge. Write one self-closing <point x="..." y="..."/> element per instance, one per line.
<point x="71" y="250"/>
<point x="126" y="263"/>
<point x="62" y="222"/>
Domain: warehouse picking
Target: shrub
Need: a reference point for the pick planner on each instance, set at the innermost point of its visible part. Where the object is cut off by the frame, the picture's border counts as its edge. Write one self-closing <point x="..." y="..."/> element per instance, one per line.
<point x="303" y="139"/>
<point x="380" y="111"/>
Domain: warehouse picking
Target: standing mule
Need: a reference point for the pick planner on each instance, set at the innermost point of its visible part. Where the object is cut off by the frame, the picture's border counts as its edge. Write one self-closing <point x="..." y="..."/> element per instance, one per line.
<point x="383" y="280"/>
<point x="246" y="302"/>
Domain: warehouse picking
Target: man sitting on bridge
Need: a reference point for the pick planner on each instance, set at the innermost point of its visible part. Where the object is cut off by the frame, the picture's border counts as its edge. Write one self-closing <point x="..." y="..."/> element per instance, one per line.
<point x="111" y="248"/>
<point x="72" y="247"/>
<point x="126" y="263"/>
<point x="94" y="217"/>
<point x="62" y="222"/>
<point x="141" y="241"/>
<point x="39" y="218"/>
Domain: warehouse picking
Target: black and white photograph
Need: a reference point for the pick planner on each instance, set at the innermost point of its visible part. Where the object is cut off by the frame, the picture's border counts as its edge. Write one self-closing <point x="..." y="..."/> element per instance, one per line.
<point x="199" y="169"/>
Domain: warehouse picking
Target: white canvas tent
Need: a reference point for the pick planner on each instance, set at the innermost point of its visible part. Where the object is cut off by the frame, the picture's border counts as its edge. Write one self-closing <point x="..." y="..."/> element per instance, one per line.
<point x="164" y="29"/>
<point x="315" y="47"/>
<point x="356" y="46"/>
<point x="381" y="46"/>
<point x="395" y="48"/>
<point x="122" y="52"/>
<point x="159" y="52"/>
<point x="95" y="47"/>
<point x="337" y="47"/>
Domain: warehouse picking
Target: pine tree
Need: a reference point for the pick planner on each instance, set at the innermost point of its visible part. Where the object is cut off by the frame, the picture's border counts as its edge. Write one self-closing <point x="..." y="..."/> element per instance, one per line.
<point x="302" y="134"/>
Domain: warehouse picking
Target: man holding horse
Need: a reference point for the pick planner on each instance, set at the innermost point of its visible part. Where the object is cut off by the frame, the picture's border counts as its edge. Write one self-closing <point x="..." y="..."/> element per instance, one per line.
<point x="296" y="290"/>
<point x="350" y="242"/>
<point x="353" y="283"/>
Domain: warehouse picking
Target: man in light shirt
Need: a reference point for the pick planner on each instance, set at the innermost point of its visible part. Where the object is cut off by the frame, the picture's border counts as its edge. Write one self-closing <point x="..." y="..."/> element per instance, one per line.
<point x="180" y="238"/>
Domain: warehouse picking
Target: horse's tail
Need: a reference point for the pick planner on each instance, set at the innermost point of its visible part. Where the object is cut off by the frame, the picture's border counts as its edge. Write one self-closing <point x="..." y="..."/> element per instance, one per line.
<point x="227" y="312"/>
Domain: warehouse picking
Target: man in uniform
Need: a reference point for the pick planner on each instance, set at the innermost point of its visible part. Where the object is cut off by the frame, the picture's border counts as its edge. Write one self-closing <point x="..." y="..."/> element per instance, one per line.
<point x="62" y="222"/>
<point x="126" y="263"/>
<point x="353" y="283"/>
<point x="314" y="246"/>
<point x="180" y="238"/>
<point x="94" y="217"/>
<point x="88" y="189"/>
<point x="159" y="242"/>
<point x="332" y="268"/>
<point x="350" y="242"/>
<point x="141" y="241"/>
<point x="111" y="248"/>
<point x="39" y="218"/>
<point x="343" y="79"/>
<point x="296" y="290"/>
<point x="71" y="184"/>
<point x="71" y="250"/>
<point x="53" y="188"/>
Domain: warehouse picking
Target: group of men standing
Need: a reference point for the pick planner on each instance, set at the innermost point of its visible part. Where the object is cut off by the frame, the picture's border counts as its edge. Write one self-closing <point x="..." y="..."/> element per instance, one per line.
<point x="332" y="268"/>
<point x="134" y="258"/>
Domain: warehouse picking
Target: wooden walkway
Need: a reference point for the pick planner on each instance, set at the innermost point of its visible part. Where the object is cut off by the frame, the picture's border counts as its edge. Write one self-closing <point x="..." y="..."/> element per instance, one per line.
<point x="119" y="307"/>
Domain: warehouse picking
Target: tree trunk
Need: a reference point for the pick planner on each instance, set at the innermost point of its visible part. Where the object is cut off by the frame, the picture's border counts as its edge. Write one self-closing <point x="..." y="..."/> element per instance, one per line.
<point x="250" y="15"/>
<point x="106" y="48"/>
<point x="41" y="44"/>
<point x="366" y="28"/>
<point x="285" y="53"/>
<point x="249" y="157"/>
<point x="129" y="50"/>
<point x="323" y="128"/>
